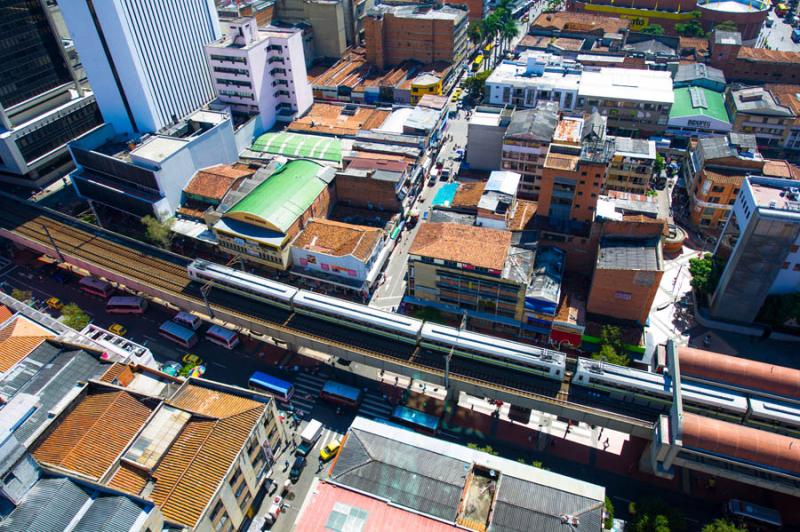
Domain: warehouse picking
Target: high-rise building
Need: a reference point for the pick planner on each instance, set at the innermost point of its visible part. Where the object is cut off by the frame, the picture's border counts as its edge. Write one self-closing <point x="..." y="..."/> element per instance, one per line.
<point x="261" y="71"/>
<point x="144" y="58"/>
<point x="42" y="106"/>
<point x="760" y="247"/>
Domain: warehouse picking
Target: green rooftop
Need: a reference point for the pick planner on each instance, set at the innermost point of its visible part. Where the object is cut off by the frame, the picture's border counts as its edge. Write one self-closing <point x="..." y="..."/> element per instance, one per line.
<point x="283" y="197"/>
<point x="705" y="102"/>
<point x="297" y="145"/>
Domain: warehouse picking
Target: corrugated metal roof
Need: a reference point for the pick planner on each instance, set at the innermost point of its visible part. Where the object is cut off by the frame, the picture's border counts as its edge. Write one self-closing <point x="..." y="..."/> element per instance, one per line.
<point x="409" y="476"/>
<point x="49" y="507"/>
<point x="538" y="124"/>
<point x="110" y="513"/>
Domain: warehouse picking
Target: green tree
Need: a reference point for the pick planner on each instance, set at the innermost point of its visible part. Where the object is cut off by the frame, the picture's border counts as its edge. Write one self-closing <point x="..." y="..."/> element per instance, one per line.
<point x="780" y="308"/>
<point x="609" y="521"/>
<point x="21" y="295"/>
<point x="723" y="525"/>
<point x="475" y="32"/>
<point x="653" y="29"/>
<point x="727" y="25"/>
<point x="693" y="28"/>
<point x="653" y="515"/>
<point x="74" y="316"/>
<point x="508" y="31"/>
<point x="612" y="356"/>
<point x="659" y="164"/>
<point x="157" y="232"/>
<point x="705" y="273"/>
<point x="474" y="85"/>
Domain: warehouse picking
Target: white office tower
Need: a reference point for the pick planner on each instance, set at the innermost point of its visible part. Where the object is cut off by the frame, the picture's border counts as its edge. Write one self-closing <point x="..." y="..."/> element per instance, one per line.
<point x="144" y="58"/>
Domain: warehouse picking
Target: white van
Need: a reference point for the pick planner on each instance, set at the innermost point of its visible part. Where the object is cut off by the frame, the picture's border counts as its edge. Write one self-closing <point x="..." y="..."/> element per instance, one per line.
<point x="309" y="437"/>
<point x="188" y="320"/>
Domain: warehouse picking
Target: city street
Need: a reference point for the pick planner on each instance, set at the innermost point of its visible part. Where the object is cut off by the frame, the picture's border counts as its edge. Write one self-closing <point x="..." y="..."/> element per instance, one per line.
<point x="778" y="37"/>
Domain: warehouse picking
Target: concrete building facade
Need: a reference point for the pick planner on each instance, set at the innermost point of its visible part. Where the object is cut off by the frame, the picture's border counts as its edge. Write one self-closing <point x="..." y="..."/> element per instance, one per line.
<point x="261" y="71"/>
<point x="486" y="128"/>
<point x="760" y="248"/>
<point x="145" y="62"/>
<point x="525" y="145"/>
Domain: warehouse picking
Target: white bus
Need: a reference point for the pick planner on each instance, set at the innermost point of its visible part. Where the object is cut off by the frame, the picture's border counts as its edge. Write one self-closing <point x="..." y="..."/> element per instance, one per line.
<point x="126" y="305"/>
<point x="222" y="336"/>
<point x="96" y="287"/>
<point x="180" y="335"/>
<point x="188" y="320"/>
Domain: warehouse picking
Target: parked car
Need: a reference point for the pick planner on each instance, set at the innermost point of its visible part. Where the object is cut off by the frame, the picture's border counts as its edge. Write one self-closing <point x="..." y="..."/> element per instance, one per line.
<point x="171" y="368"/>
<point x="330" y="450"/>
<point x="297" y="467"/>
<point x="118" y="329"/>
<point x="55" y="303"/>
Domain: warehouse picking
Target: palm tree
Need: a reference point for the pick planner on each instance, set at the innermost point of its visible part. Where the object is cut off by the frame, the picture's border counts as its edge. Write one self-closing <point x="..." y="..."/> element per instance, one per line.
<point x="508" y="31"/>
<point x="491" y="28"/>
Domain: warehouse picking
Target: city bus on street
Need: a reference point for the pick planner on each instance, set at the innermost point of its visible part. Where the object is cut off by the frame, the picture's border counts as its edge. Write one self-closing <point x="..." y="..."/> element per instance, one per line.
<point x="96" y="287"/>
<point x="222" y="336"/>
<point x="414" y="419"/>
<point x="476" y="65"/>
<point x="341" y="394"/>
<point x="280" y="389"/>
<point x="126" y="305"/>
<point x="180" y="335"/>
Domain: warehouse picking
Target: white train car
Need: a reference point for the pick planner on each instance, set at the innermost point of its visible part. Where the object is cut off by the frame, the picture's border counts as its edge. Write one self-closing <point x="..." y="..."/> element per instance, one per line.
<point x="242" y="283"/>
<point x="356" y="316"/>
<point x="493" y="350"/>
<point x="769" y="414"/>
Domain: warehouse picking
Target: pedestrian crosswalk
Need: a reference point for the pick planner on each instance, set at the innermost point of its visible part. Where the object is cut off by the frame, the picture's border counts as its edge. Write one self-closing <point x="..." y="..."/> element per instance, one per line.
<point x="306" y="391"/>
<point x="374" y="406"/>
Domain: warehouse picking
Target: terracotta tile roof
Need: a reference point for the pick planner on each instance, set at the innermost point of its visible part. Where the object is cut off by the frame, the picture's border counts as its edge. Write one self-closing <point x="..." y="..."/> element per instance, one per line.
<point x="786" y="95"/>
<point x="723" y="178"/>
<point x="523" y="213"/>
<point x="744" y="443"/>
<point x="580" y="22"/>
<point x="700" y="45"/>
<point x="5" y="313"/>
<point x="211" y="403"/>
<point x="370" y="163"/>
<point x="478" y="246"/>
<point x="328" y="119"/>
<point x="762" y="55"/>
<point x="90" y="438"/>
<point x="129" y="479"/>
<point x="214" y="182"/>
<point x="18" y="339"/>
<point x="780" y="168"/>
<point x="191" y="472"/>
<point x="113" y="372"/>
<point x="739" y="371"/>
<point x="338" y="239"/>
<point x="535" y="41"/>
<point x="468" y="195"/>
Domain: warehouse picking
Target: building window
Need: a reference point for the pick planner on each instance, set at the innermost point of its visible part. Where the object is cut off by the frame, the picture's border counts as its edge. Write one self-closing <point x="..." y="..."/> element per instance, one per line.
<point x="716" y="188"/>
<point x="236" y="476"/>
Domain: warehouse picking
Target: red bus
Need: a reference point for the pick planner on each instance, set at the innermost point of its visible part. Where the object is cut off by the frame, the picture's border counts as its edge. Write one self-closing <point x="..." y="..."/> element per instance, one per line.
<point x="96" y="287"/>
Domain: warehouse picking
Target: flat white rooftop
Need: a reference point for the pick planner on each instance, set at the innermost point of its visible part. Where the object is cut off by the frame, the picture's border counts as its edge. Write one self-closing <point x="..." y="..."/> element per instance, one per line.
<point x="513" y="74"/>
<point x="628" y="84"/>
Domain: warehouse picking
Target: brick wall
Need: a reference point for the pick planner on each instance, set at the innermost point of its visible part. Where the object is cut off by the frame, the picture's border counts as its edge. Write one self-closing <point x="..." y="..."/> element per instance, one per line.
<point x="363" y="192"/>
<point x="391" y="40"/>
<point x="623" y="294"/>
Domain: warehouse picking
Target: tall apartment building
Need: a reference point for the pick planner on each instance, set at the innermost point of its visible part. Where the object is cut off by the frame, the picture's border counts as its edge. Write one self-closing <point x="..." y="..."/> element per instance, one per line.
<point x="144" y="58"/>
<point x="714" y="173"/>
<point x="760" y="246"/>
<point x="336" y="25"/>
<point x="42" y="104"/>
<point x="261" y="71"/>
<point x="525" y="145"/>
<point x="575" y="170"/>
<point x="631" y="167"/>
<point x="486" y="128"/>
<point x="395" y="34"/>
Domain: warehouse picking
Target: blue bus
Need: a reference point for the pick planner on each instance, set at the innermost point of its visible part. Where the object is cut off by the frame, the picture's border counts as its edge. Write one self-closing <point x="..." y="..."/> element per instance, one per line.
<point x="419" y="421"/>
<point x="280" y="389"/>
<point x="339" y="393"/>
<point x="180" y="335"/>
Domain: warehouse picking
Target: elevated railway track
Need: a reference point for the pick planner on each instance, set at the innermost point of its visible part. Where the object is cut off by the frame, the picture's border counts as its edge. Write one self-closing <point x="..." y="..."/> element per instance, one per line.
<point x="161" y="274"/>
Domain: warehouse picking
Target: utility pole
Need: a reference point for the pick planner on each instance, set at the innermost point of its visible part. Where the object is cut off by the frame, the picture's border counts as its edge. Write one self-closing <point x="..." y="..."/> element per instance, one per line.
<point x="204" y="291"/>
<point x="53" y="243"/>
<point x="450" y="354"/>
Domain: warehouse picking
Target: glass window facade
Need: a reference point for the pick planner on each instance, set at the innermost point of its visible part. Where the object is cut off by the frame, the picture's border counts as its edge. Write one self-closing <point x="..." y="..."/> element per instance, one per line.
<point x="31" y="60"/>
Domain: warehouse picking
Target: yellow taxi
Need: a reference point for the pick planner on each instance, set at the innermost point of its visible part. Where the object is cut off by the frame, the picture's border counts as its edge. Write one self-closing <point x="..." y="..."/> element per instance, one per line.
<point x="55" y="303"/>
<point x="330" y="450"/>
<point x="118" y="329"/>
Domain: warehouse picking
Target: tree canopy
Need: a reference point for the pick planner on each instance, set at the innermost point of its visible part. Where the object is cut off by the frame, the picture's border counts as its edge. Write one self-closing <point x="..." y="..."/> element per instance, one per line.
<point x="74" y="317"/>
<point x="612" y="347"/>
<point x="653" y="29"/>
<point x="723" y="525"/>
<point x="705" y="273"/>
<point x="693" y="28"/>
<point x="157" y="232"/>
